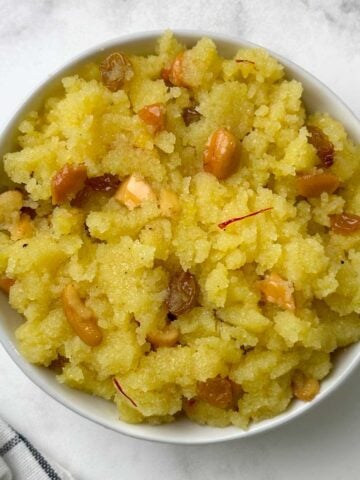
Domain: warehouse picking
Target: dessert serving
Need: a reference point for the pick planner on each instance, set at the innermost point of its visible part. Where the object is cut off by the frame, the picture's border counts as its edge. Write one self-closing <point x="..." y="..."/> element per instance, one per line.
<point x="181" y="237"/>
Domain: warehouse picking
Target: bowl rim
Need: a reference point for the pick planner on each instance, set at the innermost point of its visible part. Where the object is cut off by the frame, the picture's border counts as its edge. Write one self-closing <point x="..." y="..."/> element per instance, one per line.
<point x="187" y="36"/>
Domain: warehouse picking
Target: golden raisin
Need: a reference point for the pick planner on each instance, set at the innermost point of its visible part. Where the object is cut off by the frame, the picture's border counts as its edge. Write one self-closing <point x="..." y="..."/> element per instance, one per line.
<point x="324" y="148"/>
<point x="314" y="184"/>
<point x="67" y="182"/>
<point x="190" y="115"/>
<point x="219" y="392"/>
<point x="345" y="223"/>
<point x="115" y="71"/>
<point x="182" y="293"/>
<point x="6" y="283"/>
<point x="154" y="116"/>
<point x="277" y="290"/>
<point x="304" y="388"/>
<point x="176" y="73"/>
<point x="23" y="228"/>
<point x="221" y="154"/>
<point x="168" y="337"/>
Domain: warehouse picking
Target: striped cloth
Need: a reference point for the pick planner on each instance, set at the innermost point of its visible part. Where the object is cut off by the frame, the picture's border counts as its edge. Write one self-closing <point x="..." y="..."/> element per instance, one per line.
<point x="20" y="460"/>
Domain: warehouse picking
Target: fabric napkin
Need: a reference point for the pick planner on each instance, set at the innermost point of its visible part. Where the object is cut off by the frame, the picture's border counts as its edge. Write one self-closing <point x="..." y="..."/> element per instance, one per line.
<point x="20" y="460"/>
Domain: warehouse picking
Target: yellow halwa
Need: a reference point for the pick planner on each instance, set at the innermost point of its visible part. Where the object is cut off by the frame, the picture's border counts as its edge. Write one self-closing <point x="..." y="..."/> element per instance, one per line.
<point x="121" y="257"/>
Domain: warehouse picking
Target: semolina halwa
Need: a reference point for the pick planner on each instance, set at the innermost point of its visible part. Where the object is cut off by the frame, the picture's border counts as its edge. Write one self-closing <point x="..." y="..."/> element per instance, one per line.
<point x="182" y="237"/>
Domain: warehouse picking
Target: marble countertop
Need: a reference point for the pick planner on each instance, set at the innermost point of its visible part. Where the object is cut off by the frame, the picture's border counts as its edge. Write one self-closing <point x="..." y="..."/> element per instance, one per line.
<point x="36" y="37"/>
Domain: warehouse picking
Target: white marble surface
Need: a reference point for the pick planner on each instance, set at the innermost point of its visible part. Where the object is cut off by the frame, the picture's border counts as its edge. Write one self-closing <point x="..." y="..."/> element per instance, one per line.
<point x="36" y="37"/>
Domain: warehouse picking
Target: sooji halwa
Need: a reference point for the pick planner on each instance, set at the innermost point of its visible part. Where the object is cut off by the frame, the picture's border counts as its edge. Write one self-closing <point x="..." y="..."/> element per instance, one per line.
<point x="181" y="236"/>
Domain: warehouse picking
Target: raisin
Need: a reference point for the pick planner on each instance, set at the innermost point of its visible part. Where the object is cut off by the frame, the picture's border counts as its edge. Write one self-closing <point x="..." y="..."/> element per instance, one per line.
<point x="81" y="197"/>
<point x="58" y="364"/>
<point x="67" y="182"/>
<point x="154" y="116"/>
<point x="277" y="290"/>
<point x="313" y="185"/>
<point x="324" y="148"/>
<point x="24" y="228"/>
<point x="29" y="211"/>
<point x="115" y="71"/>
<point x="176" y="72"/>
<point x="190" y="115"/>
<point x="190" y="402"/>
<point x="304" y="388"/>
<point x="182" y="293"/>
<point x="345" y="223"/>
<point x="219" y="392"/>
<point x="165" y="74"/>
<point x="103" y="183"/>
<point x="6" y="283"/>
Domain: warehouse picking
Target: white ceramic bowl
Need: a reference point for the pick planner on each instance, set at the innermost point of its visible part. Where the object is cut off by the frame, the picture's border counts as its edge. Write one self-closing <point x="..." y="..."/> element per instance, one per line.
<point x="317" y="97"/>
